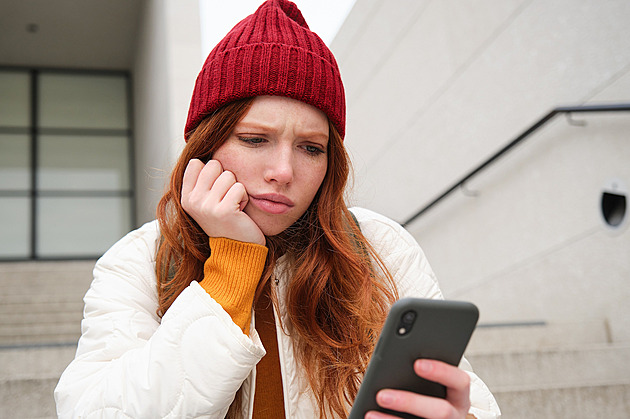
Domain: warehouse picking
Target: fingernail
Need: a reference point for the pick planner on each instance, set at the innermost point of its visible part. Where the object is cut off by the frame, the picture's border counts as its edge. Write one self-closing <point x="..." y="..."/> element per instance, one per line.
<point x="424" y="366"/>
<point x="385" y="398"/>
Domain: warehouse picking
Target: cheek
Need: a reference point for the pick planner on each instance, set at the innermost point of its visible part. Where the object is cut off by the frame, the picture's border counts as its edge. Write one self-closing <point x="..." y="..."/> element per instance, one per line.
<point x="232" y="161"/>
<point x="315" y="181"/>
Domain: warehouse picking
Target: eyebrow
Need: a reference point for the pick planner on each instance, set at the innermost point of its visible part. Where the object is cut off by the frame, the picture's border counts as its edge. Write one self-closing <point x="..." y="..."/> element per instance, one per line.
<point x="260" y="125"/>
<point x="254" y="125"/>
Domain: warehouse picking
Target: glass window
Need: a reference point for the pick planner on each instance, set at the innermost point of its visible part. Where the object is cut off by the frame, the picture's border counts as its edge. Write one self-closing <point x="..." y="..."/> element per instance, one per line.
<point x="15" y="171"/>
<point x="15" y="221"/>
<point x="82" y="101"/>
<point x="70" y="139"/>
<point x="98" y="163"/>
<point x="80" y="227"/>
<point x="15" y="107"/>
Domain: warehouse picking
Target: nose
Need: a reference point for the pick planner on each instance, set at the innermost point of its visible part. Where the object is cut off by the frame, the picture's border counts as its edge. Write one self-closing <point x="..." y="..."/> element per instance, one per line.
<point x="279" y="168"/>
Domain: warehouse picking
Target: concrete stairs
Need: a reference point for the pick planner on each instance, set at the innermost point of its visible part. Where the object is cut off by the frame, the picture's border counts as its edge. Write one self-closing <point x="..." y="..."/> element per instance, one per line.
<point x="539" y="370"/>
<point x="554" y="370"/>
<point x="40" y="314"/>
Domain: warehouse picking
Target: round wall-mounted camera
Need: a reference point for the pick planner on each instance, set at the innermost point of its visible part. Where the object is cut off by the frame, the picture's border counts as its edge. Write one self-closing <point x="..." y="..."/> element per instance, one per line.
<point x="613" y="203"/>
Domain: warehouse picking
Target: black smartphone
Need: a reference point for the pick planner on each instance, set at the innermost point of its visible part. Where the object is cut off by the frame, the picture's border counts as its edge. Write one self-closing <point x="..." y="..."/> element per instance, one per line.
<point x="415" y="328"/>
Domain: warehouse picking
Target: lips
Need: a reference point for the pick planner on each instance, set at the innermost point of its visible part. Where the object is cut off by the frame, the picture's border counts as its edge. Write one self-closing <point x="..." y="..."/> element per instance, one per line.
<point x="272" y="203"/>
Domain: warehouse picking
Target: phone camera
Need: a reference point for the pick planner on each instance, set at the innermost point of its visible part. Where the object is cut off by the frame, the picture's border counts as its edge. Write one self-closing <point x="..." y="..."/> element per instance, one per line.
<point x="406" y="322"/>
<point x="409" y="317"/>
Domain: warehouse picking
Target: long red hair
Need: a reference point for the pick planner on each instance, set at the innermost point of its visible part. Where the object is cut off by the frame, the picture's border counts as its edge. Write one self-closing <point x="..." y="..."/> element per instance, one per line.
<point x="339" y="290"/>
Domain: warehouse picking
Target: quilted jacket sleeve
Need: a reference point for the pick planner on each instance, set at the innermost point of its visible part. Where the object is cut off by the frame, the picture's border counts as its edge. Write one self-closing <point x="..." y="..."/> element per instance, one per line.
<point x="131" y="364"/>
<point x="414" y="277"/>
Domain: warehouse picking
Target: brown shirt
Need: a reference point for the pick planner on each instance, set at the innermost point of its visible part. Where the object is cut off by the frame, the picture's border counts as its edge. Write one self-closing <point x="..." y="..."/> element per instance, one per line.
<point x="268" y="400"/>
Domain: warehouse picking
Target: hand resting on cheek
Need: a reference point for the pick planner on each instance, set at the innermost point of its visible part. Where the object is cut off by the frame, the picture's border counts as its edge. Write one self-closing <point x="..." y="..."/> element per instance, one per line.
<point x="215" y="200"/>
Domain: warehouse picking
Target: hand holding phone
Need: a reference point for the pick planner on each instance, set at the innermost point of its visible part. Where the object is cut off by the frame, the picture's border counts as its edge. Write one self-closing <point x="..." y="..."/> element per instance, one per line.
<point x="419" y="329"/>
<point x="215" y="200"/>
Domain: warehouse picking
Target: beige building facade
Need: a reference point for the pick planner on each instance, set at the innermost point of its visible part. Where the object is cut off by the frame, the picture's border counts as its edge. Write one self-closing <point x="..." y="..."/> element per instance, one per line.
<point x="539" y="239"/>
<point x="436" y="87"/>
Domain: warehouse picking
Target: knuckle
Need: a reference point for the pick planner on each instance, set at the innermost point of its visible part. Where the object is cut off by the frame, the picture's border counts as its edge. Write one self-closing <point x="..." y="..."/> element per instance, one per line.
<point x="215" y="166"/>
<point x="193" y="204"/>
<point x="191" y="164"/>
<point x="443" y="410"/>
<point x="466" y="380"/>
<point x="185" y="201"/>
<point x="228" y="176"/>
<point x="192" y="170"/>
<point x="239" y="187"/>
<point x="406" y="401"/>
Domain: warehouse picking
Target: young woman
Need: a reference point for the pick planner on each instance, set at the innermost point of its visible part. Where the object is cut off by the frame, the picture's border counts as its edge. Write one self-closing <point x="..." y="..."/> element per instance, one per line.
<point x="257" y="292"/>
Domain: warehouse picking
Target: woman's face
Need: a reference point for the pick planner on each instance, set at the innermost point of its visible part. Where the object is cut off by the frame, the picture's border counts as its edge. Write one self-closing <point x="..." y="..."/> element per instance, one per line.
<point x="279" y="152"/>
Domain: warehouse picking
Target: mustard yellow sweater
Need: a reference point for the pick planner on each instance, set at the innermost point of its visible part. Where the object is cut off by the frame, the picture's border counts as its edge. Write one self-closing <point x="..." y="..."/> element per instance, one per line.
<point x="231" y="275"/>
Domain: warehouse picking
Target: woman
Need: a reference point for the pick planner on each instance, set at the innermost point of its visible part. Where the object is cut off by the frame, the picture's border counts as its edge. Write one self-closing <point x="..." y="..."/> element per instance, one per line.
<point x="257" y="293"/>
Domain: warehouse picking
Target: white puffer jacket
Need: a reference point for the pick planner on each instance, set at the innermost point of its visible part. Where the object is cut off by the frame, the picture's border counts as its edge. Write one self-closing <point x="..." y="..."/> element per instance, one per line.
<point x="129" y="364"/>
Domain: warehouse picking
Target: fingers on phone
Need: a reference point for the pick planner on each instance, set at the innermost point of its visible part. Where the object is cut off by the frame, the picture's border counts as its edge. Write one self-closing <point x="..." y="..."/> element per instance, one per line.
<point x="443" y="373"/>
<point x="415" y="404"/>
<point x="378" y="415"/>
<point x="456" y="380"/>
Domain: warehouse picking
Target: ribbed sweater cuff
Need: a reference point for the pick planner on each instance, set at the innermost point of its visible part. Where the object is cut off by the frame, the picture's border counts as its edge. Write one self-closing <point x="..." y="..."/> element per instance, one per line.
<point x="231" y="275"/>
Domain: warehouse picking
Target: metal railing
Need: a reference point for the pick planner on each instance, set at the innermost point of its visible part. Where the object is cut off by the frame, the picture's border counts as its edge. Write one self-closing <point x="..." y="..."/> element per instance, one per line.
<point x="619" y="107"/>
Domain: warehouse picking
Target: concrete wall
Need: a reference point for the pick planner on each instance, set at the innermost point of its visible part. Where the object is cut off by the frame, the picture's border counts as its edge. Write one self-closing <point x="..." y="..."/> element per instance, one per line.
<point x="167" y="61"/>
<point x="435" y="87"/>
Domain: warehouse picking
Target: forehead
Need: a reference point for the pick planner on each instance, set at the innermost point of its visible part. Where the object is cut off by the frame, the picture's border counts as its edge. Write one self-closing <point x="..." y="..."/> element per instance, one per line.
<point x="275" y="111"/>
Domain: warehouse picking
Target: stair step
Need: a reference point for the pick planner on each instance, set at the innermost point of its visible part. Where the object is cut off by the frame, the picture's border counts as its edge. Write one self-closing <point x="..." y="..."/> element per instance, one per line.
<point x="43" y="339"/>
<point x="593" y="401"/>
<point x="50" y="292"/>
<point x="36" y="272"/>
<point x="580" y="365"/>
<point x="538" y="335"/>
<point x="28" y="376"/>
<point x="39" y="330"/>
<point x="28" y="398"/>
<point x="35" y="278"/>
<point x="42" y="317"/>
<point x="31" y="363"/>
<point x="8" y="301"/>
<point x="42" y="307"/>
<point x="55" y="333"/>
<point x="42" y="302"/>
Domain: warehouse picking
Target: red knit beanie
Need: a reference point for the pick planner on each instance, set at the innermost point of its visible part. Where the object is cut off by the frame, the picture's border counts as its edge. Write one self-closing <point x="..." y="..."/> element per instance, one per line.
<point x="272" y="52"/>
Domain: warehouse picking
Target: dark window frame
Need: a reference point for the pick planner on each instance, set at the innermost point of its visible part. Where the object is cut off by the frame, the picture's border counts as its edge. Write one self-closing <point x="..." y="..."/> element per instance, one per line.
<point x="33" y="131"/>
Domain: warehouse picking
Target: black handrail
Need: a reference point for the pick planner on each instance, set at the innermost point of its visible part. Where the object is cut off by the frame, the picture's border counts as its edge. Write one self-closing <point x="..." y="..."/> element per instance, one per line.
<point x="619" y="107"/>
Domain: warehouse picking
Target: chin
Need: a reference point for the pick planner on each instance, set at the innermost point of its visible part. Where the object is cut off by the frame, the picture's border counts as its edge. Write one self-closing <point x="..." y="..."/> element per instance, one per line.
<point x="273" y="227"/>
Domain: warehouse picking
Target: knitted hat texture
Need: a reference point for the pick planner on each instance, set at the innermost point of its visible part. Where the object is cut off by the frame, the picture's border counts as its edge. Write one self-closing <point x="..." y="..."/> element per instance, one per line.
<point x="271" y="52"/>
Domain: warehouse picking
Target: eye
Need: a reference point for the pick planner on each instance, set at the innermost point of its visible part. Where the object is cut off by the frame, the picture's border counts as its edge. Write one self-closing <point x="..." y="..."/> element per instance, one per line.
<point x="253" y="141"/>
<point x="314" y="150"/>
